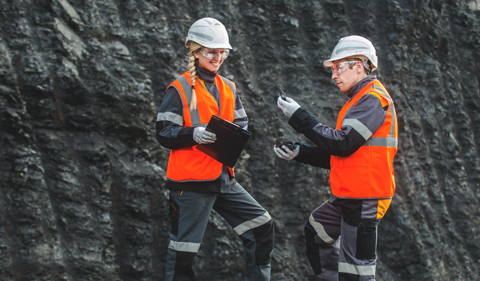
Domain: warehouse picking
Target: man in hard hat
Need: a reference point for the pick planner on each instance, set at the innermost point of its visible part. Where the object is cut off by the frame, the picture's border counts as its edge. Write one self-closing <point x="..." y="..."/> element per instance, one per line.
<point x="198" y="183"/>
<point x="341" y="234"/>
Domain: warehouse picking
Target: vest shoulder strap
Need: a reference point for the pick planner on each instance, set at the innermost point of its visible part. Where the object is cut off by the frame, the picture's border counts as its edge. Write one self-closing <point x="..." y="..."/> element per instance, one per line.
<point x="230" y="84"/>
<point x="382" y="99"/>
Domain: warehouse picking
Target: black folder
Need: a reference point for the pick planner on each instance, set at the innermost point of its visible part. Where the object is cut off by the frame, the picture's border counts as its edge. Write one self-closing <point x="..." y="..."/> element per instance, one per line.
<point x="231" y="139"/>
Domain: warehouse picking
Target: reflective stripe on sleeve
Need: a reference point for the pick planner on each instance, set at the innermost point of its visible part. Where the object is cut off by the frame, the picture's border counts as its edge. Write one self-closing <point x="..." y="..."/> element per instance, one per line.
<point x="320" y="231"/>
<point x="240" y="113"/>
<point x="251" y="224"/>
<point x="172" y="117"/>
<point x="359" y="127"/>
<point x="362" y="270"/>
<point x="184" y="246"/>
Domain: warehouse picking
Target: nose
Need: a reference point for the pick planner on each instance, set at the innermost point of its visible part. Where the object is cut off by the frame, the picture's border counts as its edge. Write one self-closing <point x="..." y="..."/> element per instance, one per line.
<point x="218" y="56"/>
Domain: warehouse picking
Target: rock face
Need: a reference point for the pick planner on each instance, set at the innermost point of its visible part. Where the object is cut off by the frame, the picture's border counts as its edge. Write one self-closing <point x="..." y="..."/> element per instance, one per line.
<point x="83" y="179"/>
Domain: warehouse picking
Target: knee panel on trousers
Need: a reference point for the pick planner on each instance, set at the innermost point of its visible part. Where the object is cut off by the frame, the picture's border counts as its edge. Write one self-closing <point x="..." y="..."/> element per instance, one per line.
<point x="365" y="228"/>
<point x="366" y="240"/>
<point x="312" y="249"/>
<point x="181" y="267"/>
<point x="184" y="265"/>
<point x="264" y="236"/>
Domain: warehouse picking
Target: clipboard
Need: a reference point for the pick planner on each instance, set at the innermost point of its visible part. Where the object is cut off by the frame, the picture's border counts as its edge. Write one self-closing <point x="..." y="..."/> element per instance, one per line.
<point x="231" y="139"/>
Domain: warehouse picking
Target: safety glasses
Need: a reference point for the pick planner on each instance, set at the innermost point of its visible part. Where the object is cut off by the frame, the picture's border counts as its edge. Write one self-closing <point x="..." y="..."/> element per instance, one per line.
<point x="341" y="67"/>
<point x="214" y="53"/>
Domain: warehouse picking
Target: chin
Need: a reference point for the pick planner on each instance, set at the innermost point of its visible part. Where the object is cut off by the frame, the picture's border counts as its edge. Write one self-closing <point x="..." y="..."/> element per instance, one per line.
<point x="213" y="68"/>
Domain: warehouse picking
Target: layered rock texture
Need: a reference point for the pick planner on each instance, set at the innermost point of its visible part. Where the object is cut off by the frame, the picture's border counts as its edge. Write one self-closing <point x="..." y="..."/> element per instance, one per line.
<point x="82" y="189"/>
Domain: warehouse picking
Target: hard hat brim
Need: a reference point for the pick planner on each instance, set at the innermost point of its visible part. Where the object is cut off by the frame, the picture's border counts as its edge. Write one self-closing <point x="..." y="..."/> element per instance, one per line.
<point x="213" y="46"/>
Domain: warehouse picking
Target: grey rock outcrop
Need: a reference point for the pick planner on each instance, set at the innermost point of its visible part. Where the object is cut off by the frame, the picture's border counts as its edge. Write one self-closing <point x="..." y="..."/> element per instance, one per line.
<point x="83" y="179"/>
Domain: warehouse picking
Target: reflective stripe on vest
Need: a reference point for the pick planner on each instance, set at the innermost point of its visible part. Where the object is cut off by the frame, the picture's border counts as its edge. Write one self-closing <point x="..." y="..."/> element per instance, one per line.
<point x="188" y="164"/>
<point x="367" y="173"/>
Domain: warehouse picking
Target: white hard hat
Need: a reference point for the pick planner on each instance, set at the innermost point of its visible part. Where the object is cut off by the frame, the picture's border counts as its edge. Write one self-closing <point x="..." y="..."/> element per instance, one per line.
<point x="353" y="46"/>
<point x="209" y="33"/>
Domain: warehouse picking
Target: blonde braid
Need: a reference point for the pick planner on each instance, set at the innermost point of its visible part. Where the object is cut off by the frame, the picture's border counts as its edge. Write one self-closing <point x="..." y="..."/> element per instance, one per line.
<point x="192" y="61"/>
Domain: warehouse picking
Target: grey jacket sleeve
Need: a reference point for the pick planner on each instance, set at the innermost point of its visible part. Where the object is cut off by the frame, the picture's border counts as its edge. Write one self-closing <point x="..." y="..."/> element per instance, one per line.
<point x="240" y="116"/>
<point x="358" y="126"/>
<point x="170" y="132"/>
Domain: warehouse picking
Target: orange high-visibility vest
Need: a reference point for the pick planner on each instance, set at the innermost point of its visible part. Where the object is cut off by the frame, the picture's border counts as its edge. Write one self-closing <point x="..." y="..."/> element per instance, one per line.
<point x="188" y="163"/>
<point x="368" y="173"/>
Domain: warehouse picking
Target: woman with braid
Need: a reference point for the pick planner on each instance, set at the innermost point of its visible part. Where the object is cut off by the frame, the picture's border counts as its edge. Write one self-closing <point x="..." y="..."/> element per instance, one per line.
<point x="197" y="182"/>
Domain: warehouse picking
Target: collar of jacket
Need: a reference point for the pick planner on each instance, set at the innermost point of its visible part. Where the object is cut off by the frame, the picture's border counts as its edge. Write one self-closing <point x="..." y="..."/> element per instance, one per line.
<point x="205" y="74"/>
<point x="359" y="86"/>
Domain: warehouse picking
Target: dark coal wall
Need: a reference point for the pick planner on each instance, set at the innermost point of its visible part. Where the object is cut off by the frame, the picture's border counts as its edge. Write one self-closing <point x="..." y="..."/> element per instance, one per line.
<point x="83" y="179"/>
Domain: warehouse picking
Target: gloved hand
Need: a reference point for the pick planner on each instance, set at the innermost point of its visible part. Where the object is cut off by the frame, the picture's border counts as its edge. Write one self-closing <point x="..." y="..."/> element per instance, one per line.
<point x="286" y="153"/>
<point x="288" y="107"/>
<point x="202" y="136"/>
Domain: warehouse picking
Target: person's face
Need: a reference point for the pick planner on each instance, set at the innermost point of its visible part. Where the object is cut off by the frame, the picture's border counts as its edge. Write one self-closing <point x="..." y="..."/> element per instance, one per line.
<point x="346" y="77"/>
<point x="211" y="59"/>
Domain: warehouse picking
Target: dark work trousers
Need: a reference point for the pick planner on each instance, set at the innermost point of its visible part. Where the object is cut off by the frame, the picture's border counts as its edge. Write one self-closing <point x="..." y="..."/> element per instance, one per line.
<point x="189" y="213"/>
<point x="341" y="238"/>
